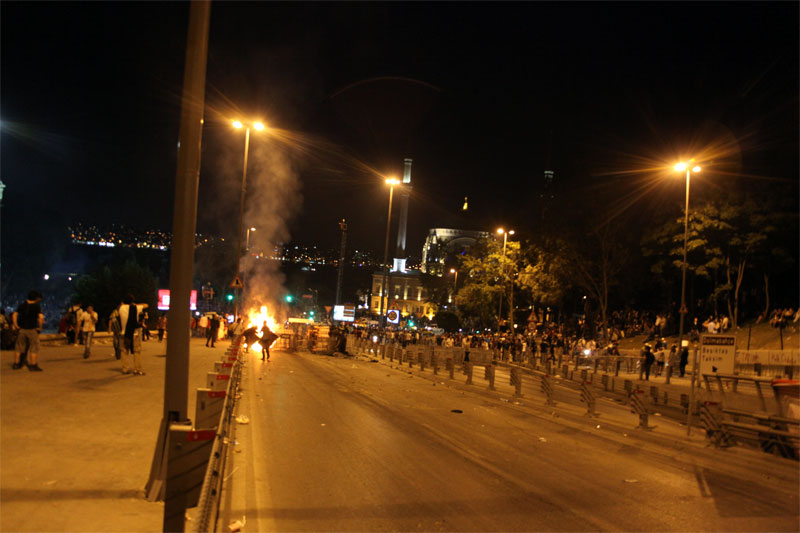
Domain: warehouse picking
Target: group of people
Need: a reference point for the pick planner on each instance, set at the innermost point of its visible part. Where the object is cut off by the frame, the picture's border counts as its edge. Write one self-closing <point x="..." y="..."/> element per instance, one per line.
<point x="663" y="357"/>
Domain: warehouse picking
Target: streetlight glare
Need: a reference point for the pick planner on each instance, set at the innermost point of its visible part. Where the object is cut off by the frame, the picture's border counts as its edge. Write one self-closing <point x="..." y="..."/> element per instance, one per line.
<point x="392" y="181"/>
<point x="252" y="229"/>
<point x="500" y="231"/>
<point x="696" y="169"/>
<point x="259" y="126"/>
<point x="680" y="167"/>
<point x="452" y="270"/>
<point x="511" y="232"/>
<point x="237" y="124"/>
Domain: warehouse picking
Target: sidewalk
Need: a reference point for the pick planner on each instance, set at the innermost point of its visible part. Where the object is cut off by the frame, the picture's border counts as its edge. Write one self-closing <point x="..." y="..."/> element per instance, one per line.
<point x="77" y="440"/>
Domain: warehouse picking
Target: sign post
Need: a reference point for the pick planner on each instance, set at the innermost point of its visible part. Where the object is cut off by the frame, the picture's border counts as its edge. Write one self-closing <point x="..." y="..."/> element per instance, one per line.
<point x="717" y="355"/>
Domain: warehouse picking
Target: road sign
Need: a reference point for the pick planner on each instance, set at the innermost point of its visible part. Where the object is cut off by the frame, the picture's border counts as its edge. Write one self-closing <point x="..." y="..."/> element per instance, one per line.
<point x="717" y="354"/>
<point x="237" y="283"/>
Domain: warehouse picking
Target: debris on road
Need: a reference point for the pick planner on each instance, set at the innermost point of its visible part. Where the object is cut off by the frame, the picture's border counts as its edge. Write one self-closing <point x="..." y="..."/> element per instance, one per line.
<point x="236" y="525"/>
<point x="542" y="439"/>
<point x="242" y="419"/>
<point x="456" y="411"/>
<point x="631" y="481"/>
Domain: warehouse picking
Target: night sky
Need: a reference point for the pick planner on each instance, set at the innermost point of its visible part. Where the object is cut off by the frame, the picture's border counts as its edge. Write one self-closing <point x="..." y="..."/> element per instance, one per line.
<point x="480" y="95"/>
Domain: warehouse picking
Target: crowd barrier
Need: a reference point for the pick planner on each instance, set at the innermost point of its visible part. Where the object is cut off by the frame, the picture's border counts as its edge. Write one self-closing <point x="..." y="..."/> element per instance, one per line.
<point x="608" y="375"/>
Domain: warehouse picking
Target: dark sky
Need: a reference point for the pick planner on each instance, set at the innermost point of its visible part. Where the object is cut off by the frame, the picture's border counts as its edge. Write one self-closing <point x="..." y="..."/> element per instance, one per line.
<point x="479" y="95"/>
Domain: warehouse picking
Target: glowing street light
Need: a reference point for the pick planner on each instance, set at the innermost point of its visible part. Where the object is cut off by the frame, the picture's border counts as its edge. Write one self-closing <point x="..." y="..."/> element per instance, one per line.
<point x="505" y="234"/>
<point x="680" y="167"/>
<point x="455" y="282"/>
<point x="391" y="182"/>
<point x="247" y="241"/>
<point x="258" y="126"/>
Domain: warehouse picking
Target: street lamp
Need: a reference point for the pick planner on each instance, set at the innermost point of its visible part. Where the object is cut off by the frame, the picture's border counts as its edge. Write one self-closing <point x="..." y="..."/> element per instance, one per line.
<point x="258" y="126"/>
<point x="680" y="167"/>
<point x="505" y="234"/>
<point x="455" y="282"/>
<point x="247" y="242"/>
<point x="391" y="182"/>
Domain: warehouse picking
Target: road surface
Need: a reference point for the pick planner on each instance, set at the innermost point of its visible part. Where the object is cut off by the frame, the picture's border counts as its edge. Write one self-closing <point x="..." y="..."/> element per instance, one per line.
<point x="337" y="444"/>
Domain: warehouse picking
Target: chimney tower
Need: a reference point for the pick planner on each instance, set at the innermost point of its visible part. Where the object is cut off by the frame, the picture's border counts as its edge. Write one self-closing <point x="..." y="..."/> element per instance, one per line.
<point x="400" y="255"/>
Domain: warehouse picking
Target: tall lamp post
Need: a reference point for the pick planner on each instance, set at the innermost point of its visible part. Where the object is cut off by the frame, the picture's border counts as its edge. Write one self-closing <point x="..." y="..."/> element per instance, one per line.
<point x="680" y="167"/>
<point x="258" y="126"/>
<point x="391" y="182"/>
<point x="455" y="283"/>
<point x="505" y="234"/>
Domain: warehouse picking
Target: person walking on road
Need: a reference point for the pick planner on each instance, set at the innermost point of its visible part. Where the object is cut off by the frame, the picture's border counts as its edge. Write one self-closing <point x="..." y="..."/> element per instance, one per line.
<point x="28" y="319"/>
<point x="162" y="326"/>
<point x="267" y="338"/>
<point x="88" y="327"/>
<point x="213" y="330"/>
<point x="115" y="328"/>
<point x="132" y="335"/>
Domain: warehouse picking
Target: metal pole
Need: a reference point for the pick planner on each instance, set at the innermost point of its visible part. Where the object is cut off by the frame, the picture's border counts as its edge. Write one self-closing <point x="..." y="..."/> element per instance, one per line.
<point x="684" y="310"/>
<point x="184" y="224"/>
<point x="343" y="227"/>
<point x="184" y="220"/>
<point x="691" y="395"/>
<point x="502" y="275"/>
<point x="241" y="217"/>
<point x="382" y="319"/>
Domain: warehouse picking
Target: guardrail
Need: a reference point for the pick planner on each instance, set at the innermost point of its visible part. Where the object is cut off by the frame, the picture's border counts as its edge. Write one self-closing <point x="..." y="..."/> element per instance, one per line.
<point x="211" y="491"/>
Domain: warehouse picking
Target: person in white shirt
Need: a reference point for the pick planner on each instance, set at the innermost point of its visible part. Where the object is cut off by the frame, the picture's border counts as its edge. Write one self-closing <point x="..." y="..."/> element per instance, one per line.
<point x="87" y="325"/>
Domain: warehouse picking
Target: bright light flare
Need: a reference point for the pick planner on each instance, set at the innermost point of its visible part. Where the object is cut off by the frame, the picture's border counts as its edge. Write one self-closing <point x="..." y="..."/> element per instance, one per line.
<point x="680" y="167"/>
<point x="392" y="181"/>
<point x="258" y="126"/>
<point x="696" y="169"/>
<point x="256" y="319"/>
<point x="237" y="124"/>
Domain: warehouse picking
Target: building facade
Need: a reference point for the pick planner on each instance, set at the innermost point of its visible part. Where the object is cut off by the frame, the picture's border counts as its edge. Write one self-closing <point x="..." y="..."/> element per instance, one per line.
<point x="443" y="245"/>
<point x="405" y="294"/>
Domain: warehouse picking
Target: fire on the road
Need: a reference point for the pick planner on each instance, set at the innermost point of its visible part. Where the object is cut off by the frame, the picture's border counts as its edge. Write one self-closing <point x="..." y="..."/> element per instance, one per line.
<point x="256" y="319"/>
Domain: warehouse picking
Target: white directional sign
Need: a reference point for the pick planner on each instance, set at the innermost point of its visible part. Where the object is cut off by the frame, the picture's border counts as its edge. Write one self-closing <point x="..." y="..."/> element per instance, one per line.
<point x="717" y="354"/>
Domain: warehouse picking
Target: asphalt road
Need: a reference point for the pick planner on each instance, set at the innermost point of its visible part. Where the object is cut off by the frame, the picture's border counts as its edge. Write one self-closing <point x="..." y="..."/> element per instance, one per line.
<point x="339" y="444"/>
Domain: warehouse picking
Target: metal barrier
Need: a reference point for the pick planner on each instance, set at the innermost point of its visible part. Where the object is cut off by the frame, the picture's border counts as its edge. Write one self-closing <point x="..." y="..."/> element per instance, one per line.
<point x="547" y="389"/>
<point x="210" y="492"/>
<point x="488" y="375"/>
<point x="639" y="407"/>
<point x="587" y="397"/>
<point x="515" y="380"/>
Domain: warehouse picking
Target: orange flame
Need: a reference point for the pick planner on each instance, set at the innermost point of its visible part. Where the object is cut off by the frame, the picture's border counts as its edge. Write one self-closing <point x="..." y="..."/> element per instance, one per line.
<point x="256" y="319"/>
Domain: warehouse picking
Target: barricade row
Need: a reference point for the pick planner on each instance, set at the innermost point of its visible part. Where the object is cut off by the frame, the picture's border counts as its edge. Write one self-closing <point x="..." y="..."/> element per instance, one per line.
<point x="577" y="377"/>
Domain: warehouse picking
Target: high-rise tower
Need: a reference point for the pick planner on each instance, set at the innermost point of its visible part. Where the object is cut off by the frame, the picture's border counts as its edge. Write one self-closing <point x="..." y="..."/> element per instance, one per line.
<point x="400" y="254"/>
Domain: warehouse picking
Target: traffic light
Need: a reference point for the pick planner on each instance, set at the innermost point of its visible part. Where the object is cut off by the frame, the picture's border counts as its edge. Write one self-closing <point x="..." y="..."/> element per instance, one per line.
<point x="311" y="314"/>
<point x="229" y="297"/>
<point x="289" y="298"/>
<point x="411" y="323"/>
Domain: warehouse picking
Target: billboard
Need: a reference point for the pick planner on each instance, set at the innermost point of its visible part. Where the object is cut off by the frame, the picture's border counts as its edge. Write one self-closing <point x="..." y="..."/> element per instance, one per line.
<point x="163" y="300"/>
<point x="345" y="313"/>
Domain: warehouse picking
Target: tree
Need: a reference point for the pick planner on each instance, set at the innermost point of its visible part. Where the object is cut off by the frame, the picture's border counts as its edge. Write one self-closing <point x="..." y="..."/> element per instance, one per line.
<point x="490" y="275"/>
<point x="106" y="287"/>
<point x="593" y="261"/>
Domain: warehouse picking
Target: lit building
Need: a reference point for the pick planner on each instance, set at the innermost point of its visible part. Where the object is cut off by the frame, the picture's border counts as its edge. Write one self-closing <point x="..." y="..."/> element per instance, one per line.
<point x="406" y="294"/>
<point x="442" y="246"/>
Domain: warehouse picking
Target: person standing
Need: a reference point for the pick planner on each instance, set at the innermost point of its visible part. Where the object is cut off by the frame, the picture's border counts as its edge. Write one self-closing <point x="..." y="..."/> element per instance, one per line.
<point x="213" y="330"/>
<point x="28" y="319"/>
<point x="88" y="326"/>
<point x="647" y="359"/>
<point x="115" y="328"/>
<point x="162" y="326"/>
<point x="129" y="318"/>
<point x="684" y="360"/>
